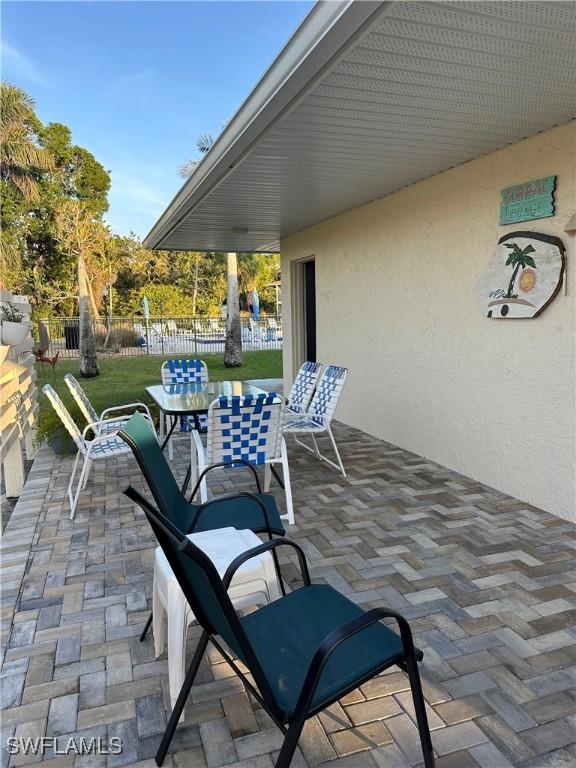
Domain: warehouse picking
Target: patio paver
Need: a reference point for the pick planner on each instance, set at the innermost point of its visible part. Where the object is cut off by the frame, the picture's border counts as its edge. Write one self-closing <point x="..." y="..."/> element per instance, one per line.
<point x="486" y="581"/>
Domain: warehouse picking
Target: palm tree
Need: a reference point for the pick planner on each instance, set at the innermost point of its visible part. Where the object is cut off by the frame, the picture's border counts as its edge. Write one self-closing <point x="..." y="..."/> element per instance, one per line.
<point x="233" y="343"/>
<point x="21" y="158"/>
<point x="518" y="258"/>
<point x="84" y="238"/>
<point x="204" y="145"/>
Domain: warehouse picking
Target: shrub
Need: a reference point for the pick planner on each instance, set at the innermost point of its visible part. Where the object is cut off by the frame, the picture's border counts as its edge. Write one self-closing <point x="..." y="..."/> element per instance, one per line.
<point x="120" y="337"/>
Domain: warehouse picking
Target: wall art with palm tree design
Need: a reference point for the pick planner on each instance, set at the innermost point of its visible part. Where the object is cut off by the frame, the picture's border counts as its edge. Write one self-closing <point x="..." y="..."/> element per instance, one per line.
<point x="524" y="276"/>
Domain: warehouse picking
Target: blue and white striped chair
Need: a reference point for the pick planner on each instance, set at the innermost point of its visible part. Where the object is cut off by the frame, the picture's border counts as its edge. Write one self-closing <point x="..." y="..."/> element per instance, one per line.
<point x="303" y="387"/>
<point x="319" y="415"/>
<point x="189" y="371"/>
<point x="109" y="423"/>
<point x="104" y="445"/>
<point x="245" y="427"/>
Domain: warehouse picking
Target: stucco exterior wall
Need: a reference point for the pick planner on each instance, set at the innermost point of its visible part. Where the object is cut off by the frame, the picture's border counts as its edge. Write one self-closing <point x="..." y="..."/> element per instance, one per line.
<point x="395" y="293"/>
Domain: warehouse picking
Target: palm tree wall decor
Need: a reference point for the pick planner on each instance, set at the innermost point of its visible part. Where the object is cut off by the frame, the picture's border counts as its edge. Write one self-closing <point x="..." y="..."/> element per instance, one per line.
<point x="518" y="258"/>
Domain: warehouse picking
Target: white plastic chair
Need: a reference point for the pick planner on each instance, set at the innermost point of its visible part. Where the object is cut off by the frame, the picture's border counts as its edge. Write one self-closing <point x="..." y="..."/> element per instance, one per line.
<point x="319" y="415"/>
<point x="303" y="387"/>
<point x="103" y="446"/>
<point x="108" y="422"/>
<point x="188" y="371"/>
<point x="245" y="427"/>
<point x="254" y="584"/>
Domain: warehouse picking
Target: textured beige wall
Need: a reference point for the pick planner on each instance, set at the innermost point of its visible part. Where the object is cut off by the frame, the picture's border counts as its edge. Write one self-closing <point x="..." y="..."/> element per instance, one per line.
<point x="396" y="278"/>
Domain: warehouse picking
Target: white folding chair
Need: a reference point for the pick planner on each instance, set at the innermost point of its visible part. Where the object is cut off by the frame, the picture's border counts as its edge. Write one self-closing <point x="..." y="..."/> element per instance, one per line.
<point x="319" y="415"/>
<point x="245" y="427"/>
<point x="108" y="422"/>
<point x="303" y="387"/>
<point x="103" y="446"/>
<point x="188" y="371"/>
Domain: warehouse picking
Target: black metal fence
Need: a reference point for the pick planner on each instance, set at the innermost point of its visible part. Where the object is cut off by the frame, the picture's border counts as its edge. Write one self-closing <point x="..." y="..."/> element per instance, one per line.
<point x="132" y="336"/>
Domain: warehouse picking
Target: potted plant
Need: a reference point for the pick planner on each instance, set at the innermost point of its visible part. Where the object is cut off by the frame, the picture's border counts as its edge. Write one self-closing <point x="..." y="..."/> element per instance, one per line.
<point x="14" y="327"/>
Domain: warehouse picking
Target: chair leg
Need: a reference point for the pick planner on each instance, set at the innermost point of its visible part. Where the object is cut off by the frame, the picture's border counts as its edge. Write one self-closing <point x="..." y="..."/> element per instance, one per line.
<point x="203" y="488"/>
<point x="181" y="701"/>
<point x="70" y="483"/>
<point x="74" y="497"/>
<point x="170" y="444"/>
<point x="87" y="472"/>
<point x="290" y="743"/>
<point x="158" y="616"/>
<point x="287" y="486"/>
<point x="177" y="631"/>
<point x="316" y="449"/>
<point x="267" y="477"/>
<point x="146" y="627"/>
<point x="420" y="709"/>
<point x="336" y="451"/>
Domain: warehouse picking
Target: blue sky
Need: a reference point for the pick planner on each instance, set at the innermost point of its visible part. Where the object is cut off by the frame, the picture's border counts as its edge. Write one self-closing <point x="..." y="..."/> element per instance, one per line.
<point x="138" y="82"/>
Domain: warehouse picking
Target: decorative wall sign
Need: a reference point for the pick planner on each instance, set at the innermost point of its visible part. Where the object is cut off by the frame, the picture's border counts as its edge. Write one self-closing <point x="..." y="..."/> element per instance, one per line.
<point x="524" y="202"/>
<point x="523" y="277"/>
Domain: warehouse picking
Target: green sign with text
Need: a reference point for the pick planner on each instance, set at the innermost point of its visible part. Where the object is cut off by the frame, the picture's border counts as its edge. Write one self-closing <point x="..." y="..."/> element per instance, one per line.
<point x="524" y="202"/>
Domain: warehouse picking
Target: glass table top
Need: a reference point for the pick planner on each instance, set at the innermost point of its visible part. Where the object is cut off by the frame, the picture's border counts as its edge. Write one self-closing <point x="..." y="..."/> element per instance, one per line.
<point x="196" y="398"/>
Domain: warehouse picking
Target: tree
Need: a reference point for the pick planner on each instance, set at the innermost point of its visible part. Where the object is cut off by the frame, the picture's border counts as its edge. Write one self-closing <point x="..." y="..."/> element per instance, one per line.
<point x="233" y="343"/>
<point x="84" y="237"/>
<point x="518" y="258"/>
<point x="258" y="271"/>
<point x="41" y="170"/>
<point x="22" y="163"/>
<point x="21" y="157"/>
<point x="204" y="145"/>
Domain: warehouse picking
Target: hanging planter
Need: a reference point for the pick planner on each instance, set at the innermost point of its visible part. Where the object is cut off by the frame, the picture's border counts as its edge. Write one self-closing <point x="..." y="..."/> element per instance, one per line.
<point x="15" y="333"/>
<point x="14" y="327"/>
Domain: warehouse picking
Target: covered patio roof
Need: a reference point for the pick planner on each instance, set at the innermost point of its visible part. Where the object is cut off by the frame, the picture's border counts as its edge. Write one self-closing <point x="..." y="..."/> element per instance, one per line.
<point x="365" y="99"/>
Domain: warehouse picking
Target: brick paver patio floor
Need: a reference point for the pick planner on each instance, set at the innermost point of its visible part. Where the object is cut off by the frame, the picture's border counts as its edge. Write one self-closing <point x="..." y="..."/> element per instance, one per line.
<point x="485" y="580"/>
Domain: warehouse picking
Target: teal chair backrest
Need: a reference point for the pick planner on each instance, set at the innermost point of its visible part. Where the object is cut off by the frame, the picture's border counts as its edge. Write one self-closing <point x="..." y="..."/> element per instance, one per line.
<point x="140" y="436"/>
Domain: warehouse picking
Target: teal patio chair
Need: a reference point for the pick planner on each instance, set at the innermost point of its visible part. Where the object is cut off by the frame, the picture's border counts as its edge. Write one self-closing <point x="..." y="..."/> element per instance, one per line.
<point x="257" y="512"/>
<point x="303" y="652"/>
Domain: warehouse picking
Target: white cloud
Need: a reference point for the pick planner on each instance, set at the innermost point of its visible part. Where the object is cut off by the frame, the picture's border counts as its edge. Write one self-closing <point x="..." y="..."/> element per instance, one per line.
<point x="130" y="85"/>
<point x="135" y="194"/>
<point x="22" y="66"/>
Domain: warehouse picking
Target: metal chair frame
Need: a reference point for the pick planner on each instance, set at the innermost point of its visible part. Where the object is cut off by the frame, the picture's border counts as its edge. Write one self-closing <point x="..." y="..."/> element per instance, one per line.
<point x="171" y="540"/>
<point x="209" y="506"/>
<point x="102" y="446"/>
<point x="317" y="419"/>
<point x="109" y="423"/>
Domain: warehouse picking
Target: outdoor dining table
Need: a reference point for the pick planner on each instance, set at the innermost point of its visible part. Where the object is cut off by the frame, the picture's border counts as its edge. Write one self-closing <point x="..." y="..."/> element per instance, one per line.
<point x="177" y="400"/>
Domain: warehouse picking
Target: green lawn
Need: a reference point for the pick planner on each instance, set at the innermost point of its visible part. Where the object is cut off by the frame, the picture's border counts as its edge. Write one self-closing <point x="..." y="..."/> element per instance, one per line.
<point x="124" y="380"/>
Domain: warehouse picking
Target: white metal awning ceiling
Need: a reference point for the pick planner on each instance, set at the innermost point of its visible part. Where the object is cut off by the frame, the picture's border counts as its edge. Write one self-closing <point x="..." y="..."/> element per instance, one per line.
<point x="367" y="98"/>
